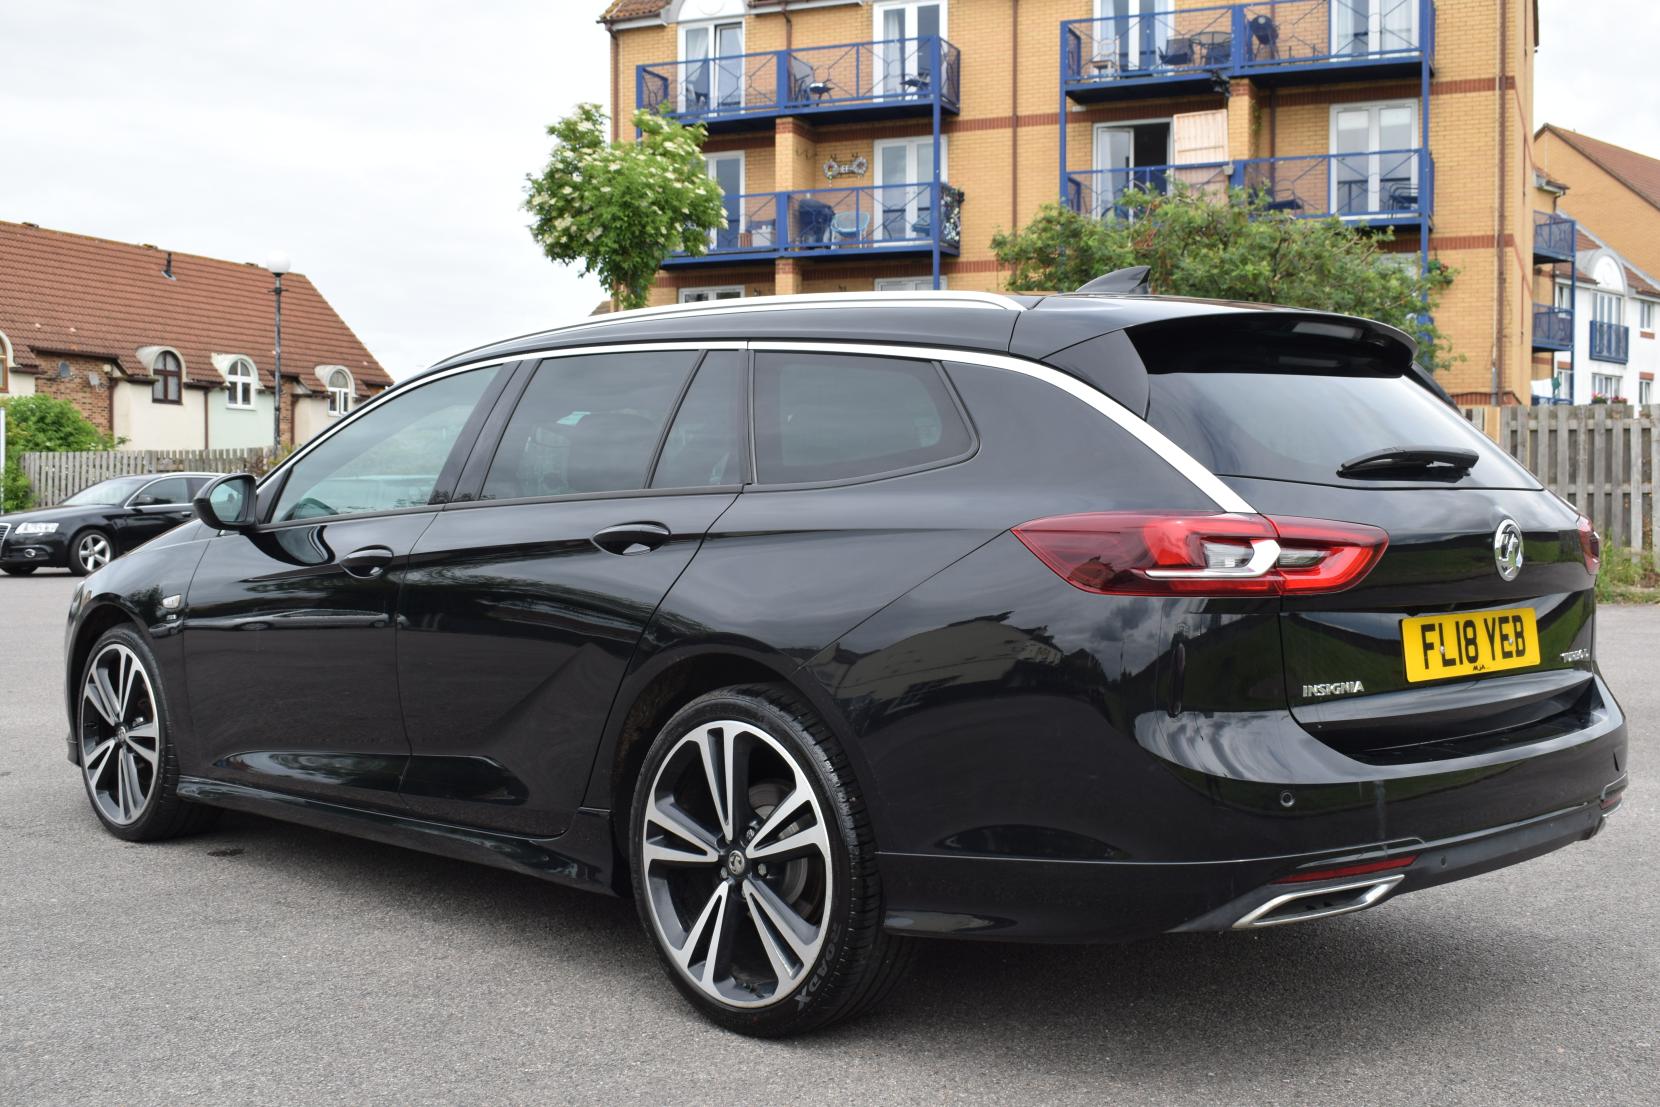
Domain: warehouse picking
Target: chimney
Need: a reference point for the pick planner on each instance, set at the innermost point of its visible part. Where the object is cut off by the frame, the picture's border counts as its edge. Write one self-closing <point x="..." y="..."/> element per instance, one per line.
<point x="167" y="270"/>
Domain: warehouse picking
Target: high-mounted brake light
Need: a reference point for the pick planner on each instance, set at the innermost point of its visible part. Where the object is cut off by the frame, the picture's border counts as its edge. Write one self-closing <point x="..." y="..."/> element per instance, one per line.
<point x="1169" y="553"/>
<point x="1590" y="545"/>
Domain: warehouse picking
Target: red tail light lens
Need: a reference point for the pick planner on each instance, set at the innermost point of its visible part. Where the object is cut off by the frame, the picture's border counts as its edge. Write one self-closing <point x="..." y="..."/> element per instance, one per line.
<point x="1590" y="545"/>
<point x="1337" y="871"/>
<point x="1136" y="553"/>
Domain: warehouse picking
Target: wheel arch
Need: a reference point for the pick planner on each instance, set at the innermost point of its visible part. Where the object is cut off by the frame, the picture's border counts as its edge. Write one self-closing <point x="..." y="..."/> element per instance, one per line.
<point x="99" y="618"/>
<point x="101" y="526"/>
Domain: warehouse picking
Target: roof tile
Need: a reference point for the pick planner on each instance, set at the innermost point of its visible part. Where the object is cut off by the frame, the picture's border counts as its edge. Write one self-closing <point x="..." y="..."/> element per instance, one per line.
<point x="1638" y="172"/>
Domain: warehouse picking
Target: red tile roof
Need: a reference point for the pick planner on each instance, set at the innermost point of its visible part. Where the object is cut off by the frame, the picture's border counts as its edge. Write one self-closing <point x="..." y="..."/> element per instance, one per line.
<point x="632" y="9"/>
<point x="70" y="293"/>
<point x="1638" y="172"/>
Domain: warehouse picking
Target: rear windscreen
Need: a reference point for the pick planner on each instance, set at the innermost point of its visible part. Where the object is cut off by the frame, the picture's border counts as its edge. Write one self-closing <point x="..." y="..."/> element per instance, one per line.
<point x="1302" y="426"/>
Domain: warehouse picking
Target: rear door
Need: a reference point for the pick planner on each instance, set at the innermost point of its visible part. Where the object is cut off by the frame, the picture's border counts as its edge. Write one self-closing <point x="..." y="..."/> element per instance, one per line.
<point x="155" y="509"/>
<point x="525" y="599"/>
<point x="1441" y="644"/>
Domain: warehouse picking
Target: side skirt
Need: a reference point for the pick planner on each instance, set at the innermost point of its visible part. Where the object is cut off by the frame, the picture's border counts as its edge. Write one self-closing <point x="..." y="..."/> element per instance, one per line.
<point x="581" y="857"/>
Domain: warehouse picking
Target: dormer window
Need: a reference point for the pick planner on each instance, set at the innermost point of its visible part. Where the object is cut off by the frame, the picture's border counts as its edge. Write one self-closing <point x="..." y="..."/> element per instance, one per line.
<point x="239" y="384"/>
<point x="168" y="371"/>
<point x="340" y="391"/>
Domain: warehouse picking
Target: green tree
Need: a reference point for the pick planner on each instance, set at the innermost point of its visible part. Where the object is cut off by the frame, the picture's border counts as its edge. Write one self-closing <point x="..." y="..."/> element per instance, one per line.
<point x="36" y="424"/>
<point x="1238" y="250"/>
<point x="620" y="208"/>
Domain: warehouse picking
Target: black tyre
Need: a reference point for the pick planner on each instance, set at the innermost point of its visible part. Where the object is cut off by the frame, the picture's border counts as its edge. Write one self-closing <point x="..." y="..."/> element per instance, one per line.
<point x="18" y="570"/>
<point x="754" y="866"/>
<point x="128" y="764"/>
<point x="89" y="551"/>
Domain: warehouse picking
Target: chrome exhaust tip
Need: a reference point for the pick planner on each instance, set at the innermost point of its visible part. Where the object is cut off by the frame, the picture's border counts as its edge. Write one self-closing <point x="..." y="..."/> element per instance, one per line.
<point x="1307" y="904"/>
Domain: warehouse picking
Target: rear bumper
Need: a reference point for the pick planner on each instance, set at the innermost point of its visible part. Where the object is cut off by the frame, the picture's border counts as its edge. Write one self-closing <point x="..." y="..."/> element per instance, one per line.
<point x="1456" y="819"/>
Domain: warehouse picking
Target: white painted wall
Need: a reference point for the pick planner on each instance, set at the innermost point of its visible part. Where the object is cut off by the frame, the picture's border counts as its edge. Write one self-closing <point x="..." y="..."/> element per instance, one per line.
<point x="1644" y="352"/>
<point x="311" y="417"/>
<point x="239" y="427"/>
<point x="147" y="425"/>
<point x="20" y="384"/>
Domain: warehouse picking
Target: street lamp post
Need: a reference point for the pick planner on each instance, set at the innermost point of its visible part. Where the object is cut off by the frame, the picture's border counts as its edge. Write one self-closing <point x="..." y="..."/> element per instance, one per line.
<point x="278" y="265"/>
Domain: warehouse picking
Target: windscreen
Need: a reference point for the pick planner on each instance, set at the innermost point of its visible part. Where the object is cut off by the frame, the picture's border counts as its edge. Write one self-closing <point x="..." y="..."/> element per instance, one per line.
<point x="1302" y="426"/>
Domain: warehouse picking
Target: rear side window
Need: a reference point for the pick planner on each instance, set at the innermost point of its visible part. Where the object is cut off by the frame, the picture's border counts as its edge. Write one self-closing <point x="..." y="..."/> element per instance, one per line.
<point x="705" y="442"/>
<point x="588" y="423"/>
<point x="173" y="490"/>
<point x="827" y="417"/>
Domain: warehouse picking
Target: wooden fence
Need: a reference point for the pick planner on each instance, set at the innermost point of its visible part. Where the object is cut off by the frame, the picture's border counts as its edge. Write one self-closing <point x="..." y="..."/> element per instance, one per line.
<point x="1604" y="459"/>
<point x="54" y="477"/>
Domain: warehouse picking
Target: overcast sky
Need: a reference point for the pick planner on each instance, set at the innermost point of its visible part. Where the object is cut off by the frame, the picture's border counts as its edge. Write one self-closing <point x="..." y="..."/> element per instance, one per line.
<point x="383" y="145"/>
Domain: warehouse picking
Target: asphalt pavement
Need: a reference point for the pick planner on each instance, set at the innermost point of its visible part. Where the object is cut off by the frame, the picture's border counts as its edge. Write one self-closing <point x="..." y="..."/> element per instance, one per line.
<point x="268" y="963"/>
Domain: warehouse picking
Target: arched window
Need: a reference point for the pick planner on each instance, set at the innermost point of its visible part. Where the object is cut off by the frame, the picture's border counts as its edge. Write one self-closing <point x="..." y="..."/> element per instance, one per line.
<point x="340" y="391"/>
<point x="239" y="384"/>
<point x="169" y="373"/>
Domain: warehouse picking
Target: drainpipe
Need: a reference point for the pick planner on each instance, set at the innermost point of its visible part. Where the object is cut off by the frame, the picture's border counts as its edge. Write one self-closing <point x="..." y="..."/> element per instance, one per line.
<point x="1498" y="203"/>
<point x="616" y="86"/>
<point x="789" y="25"/>
<point x="1014" y="122"/>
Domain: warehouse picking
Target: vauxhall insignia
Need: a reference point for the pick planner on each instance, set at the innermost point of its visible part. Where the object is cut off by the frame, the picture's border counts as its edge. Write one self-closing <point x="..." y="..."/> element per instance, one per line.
<point x="1507" y="549"/>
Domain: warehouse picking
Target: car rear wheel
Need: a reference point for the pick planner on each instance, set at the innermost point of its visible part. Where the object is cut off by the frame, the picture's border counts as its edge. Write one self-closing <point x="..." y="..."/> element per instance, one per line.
<point x="18" y="570"/>
<point x="91" y="551"/>
<point x="754" y="866"/>
<point x="127" y="760"/>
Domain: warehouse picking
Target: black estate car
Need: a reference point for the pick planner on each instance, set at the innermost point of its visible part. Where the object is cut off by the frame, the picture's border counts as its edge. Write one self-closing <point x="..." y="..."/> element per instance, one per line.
<point x="818" y="624"/>
<point x="97" y="524"/>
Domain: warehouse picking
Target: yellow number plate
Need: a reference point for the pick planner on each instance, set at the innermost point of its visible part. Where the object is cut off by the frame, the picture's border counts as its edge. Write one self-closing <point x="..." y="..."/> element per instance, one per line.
<point x="1439" y="646"/>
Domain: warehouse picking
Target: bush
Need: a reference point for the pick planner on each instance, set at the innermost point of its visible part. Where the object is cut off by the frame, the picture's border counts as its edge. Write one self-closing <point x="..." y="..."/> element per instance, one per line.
<point x="36" y="424"/>
<point x="1628" y="576"/>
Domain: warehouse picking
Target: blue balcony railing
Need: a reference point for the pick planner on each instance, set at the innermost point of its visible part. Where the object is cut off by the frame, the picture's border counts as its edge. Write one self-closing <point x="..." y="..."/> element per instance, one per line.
<point x="1553" y="328"/>
<point x="1375" y="187"/>
<point x="893" y="76"/>
<point x="1610" y="341"/>
<point x="1553" y="237"/>
<point x="825" y="221"/>
<point x="1261" y="39"/>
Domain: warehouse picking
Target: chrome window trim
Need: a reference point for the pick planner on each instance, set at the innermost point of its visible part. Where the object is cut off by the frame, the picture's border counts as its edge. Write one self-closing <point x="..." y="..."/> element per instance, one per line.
<point x="1177" y="458"/>
<point x="375" y="401"/>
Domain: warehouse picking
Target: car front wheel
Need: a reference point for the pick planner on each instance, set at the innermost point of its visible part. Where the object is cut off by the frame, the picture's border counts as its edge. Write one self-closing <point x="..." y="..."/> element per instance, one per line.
<point x="91" y="551"/>
<point x="754" y="866"/>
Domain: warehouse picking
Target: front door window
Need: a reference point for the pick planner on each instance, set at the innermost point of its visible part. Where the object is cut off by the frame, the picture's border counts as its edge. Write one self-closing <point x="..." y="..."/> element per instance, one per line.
<point x="1375" y="169"/>
<point x="905" y="173"/>
<point x="1130" y="35"/>
<point x="1363" y="27"/>
<point x="727" y="170"/>
<point x="905" y="53"/>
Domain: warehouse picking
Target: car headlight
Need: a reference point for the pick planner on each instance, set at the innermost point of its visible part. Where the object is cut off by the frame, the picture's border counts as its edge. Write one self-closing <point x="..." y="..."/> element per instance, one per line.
<point x="36" y="528"/>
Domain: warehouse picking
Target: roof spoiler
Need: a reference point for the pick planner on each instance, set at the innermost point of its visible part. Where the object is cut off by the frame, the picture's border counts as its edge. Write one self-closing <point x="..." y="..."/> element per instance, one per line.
<point x="1131" y="281"/>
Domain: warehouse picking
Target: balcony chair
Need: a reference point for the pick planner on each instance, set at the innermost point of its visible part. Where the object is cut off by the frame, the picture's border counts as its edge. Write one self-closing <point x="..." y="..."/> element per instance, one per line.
<point x="918" y="82"/>
<point x="1177" y="52"/>
<point x="851" y="226"/>
<point x="1264" y="41"/>
<point x="1403" y="197"/>
<point x="805" y="83"/>
<point x="812" y="223"/>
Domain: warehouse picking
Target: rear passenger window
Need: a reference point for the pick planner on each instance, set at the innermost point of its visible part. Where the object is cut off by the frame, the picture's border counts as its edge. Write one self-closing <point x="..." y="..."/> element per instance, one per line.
<point x="706" y="439"/>
<point x="588" y="423"/>
<point x="823" y="417"/>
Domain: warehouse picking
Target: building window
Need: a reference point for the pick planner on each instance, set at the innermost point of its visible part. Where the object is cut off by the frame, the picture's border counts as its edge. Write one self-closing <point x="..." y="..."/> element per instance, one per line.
<point x="1565" y="296"/>
<point x="340" y="391"/>
<point x="239" y="384"/>
<point x="1645" y="392"/>
<point x="1645" y="314"/>
<point x="712" y="67"/>
<point x="169" y="373"/>
<point x="1605" y="385"/>
<point x="907" y="284"/>
<point x="1375" y="166"/>
<point x="702" y="295"/>
<point x="1608" y="308"/>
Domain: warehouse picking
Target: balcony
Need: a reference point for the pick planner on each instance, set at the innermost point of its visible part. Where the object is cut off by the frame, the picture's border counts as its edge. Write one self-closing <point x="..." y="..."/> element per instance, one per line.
<point x="1553" y="238"/>
<point x="1553" y="328"/>
<point x="860" y="80"/>
<point x="1376" y="188"/>
<point x="1610" y="342"/>
<point x="1273" y="42"/>
<point x="835" y="222"/>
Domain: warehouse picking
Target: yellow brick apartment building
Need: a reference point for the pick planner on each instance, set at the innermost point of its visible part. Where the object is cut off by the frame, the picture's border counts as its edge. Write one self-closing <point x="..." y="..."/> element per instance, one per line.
<point x="882" y="143"/>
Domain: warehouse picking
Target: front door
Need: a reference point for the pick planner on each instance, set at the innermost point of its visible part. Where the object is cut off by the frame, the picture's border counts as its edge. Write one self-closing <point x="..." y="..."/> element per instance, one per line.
<point x="1375" y="169"/>
<point x="712" y="68"/>
<point x="1363" y="27"/>
<point x="523" y="603"/>
<point x="905" y="174"/>
<point x="1114" y="158"/>
<point x="288" y="632"/>
<point x="1130" y="34"/>
<point x="907" y="32"/>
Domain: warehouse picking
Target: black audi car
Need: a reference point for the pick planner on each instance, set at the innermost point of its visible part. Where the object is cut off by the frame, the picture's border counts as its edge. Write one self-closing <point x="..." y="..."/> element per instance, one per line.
<point x="97" y="524"/>
<point x="821" y="624"/>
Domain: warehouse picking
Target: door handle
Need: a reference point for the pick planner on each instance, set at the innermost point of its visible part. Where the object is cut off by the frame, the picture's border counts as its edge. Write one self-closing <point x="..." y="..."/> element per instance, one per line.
<point x="632" y="538"/>
<point x="368" y="562"/>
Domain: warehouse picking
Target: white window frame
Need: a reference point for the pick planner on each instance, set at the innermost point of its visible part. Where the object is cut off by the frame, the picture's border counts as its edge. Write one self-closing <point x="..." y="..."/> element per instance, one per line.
<point x="1600" y="379"/>
<point x="1645" y="314"/>
<point x="907" y="284"/>
<point x="1374" y="170"/>
<point x="912" y="207"/>
<point x="1375" y="30"/>
<point x="878" y="14"/>
<point x="713" y="26"/>
<point x="709" y="161"/>
<point x="235" y="381"/>
<point x="709" y="293"/>
<point x="1645" y="391"/>
<point x="339" y="399"/>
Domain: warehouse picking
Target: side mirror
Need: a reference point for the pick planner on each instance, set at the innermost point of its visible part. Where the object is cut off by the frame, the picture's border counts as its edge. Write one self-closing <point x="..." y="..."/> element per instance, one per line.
<point x="228" y="503"/>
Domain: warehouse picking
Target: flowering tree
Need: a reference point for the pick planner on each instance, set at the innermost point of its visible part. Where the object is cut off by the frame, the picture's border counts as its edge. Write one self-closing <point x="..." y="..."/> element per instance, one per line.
<point x="620" y="208"/>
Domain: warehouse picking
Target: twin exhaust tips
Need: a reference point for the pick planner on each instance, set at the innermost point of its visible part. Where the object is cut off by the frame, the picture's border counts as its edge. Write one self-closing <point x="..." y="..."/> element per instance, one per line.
<point x="1318" y="903"/>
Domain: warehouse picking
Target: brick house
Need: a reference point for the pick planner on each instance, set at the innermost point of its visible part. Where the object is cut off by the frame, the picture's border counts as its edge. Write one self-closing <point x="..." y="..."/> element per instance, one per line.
<point x="170" y="350"/>
<point x="880" y="144"/>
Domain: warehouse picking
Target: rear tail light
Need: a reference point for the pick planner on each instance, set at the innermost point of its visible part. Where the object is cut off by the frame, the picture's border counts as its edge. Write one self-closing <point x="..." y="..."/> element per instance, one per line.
<point x="1590" y="546"/>
<point x="1363" y="868"/>
<point x="1172" y="554"/>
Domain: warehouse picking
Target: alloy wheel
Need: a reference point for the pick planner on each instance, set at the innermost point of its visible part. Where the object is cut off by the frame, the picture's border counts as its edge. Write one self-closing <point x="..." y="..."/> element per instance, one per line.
<point x="736" y="855"/>
<point x="94" y="552"/>
<point x="120" y="734"/>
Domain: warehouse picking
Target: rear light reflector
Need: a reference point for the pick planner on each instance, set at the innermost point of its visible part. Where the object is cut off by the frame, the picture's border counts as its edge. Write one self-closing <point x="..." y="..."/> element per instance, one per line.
<point x="1136" y="553"/>
<point x="1338" y="871"/>
<point x="1590" y="545"/>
